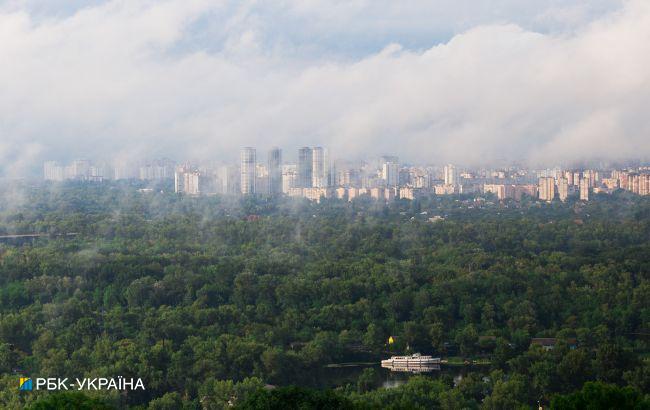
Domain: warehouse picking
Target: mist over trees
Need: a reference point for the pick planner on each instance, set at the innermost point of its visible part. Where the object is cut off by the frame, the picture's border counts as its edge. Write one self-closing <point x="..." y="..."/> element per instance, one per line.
<point x="218" y="300"/>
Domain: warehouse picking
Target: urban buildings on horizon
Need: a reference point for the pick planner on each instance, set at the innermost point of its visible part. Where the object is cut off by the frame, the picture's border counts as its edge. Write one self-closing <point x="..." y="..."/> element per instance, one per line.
<point x="314" y="176"/>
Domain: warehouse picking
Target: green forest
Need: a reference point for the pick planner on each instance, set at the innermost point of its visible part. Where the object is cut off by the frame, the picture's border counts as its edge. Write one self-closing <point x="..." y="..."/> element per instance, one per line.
<point x="226" y="302"/>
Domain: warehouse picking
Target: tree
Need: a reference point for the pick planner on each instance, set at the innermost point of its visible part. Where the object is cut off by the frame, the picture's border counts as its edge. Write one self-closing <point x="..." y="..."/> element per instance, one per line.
<point x="68" y="401"/>
<point x="367" y="380"/>
<point x="601" y="396"/>
<point x="507" y="394"/>
<point x="169" y="401"/>
<point x="295" y="398"/>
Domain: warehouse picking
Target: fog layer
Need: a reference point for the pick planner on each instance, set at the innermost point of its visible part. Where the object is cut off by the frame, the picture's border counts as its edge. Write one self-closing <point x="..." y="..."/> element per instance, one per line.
<point x="199" y="79"/>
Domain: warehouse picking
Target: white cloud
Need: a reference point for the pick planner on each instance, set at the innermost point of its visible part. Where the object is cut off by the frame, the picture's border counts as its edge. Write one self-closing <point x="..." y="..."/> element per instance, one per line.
<point x="200" y="79"/>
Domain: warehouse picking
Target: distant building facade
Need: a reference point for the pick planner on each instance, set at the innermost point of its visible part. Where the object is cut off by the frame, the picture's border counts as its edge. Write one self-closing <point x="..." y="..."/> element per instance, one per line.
<point x="305" y="167"/>
<point x="275" y="171"/>
<point x="450" y="175"/>
<point x="248" y="169"/>
<point x="584" y="189"/>
<point x="563" y="189"/>
<point x="547" y="189"/>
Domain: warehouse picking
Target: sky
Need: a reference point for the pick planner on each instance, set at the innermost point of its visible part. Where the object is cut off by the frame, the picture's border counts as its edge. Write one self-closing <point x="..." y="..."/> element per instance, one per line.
<point x="467" y="81"/>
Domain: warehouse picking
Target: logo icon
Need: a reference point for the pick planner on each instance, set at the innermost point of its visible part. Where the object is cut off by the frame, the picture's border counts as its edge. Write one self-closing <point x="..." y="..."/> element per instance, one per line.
<point x="25" y="383"/>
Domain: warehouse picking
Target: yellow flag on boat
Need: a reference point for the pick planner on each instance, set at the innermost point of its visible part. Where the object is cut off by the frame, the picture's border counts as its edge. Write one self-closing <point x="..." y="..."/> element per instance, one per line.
<point x="391" y="340"/>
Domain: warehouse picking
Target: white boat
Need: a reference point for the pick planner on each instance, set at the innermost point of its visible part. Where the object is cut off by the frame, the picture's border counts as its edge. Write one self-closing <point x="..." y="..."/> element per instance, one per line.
<point x="414" y="360"/>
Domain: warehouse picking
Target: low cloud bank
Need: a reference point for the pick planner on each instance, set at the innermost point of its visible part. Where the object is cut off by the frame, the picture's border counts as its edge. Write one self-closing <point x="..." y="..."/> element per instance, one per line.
<point x="161" y="79"/>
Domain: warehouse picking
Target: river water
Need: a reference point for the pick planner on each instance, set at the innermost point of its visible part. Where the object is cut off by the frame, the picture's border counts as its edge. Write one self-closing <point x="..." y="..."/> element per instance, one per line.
<point x="343" y="374"/>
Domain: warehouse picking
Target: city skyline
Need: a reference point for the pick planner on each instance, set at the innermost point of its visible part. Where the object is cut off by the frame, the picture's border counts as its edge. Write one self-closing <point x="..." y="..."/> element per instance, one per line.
<point x="315" y="175"/>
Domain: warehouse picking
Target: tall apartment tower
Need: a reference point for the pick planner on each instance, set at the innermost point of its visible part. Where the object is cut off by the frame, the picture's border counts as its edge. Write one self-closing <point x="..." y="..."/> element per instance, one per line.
<point x="644" y="184"/>
<point x="390" y="173"/>
<point x="450" y="175"/>
<point x="563" y="188"/>
<point x="80" y="168"/>
<point x="569" y="177"/>
<point x="320" y="168"/>
<point x="576" y="178"/>
<point x="584" y="189"/>
<point x="52" y="171"/>
<point x="230" y="178"/>
<point x="187" y="180"/>
<point x="305" y="167"/>
<point x="248" y="158"/>
<point x="275" y="171"/>
<point x="390" y="170"/>
<point x="289" y="177"/>
<point x="547" y="188"/>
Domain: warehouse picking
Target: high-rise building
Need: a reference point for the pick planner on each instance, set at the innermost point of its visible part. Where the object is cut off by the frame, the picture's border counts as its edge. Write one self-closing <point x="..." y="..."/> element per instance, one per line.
<point x="320" y="168"/>
<point x="390" y="173"/>
<point x="80" y="169"/>
<point x="569" y="176"/>
<point x="289" y="178"/>
<point x="106" y="171"/>
<point x="404" y="177"/>
<point x="500" y="190"/>
<point x="275" y="171"/>
<point x="584" y="189"/>
<point x="524" y="190"/>
<point x="349" y="177"/>
<point x="187" y="180"/>
<point x="248" y="157"/>
<point x="262" y="185"/>
<point x="192" y="183"/>
<point x="576" y="178"/>
<point x="52" y="171"/>
<point x="421" y="181"/>
<point x="644" y="184"/>
<point x="179" y="180"/>
<point x="563" y="188"/>
<point x="157" y="170"/>
<point x="331" y="170"/>
<point x="592" y="176"/>
<point x="230" y="178"/>
<point x="547" y="189"/>
<point x="305" y="170"/>
<point x="450" y="175"/>
<point x="124" y="169"/>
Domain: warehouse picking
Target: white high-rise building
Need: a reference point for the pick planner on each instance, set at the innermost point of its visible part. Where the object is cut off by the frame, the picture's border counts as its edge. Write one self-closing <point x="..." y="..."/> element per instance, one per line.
<point x="123" y="169"/>
<point x="248" y="170"/>
<point x="187" y="181"/>
<point x="320" y="172"/>
<point x="79" y="169"/>
<point x="584" y="189"/>
<point x="390" y="174"/>
<point x="52" y="171"/>
<point x="450" y="175"/>
<point x="547" y="188"/>
<point x="157" y="170"/>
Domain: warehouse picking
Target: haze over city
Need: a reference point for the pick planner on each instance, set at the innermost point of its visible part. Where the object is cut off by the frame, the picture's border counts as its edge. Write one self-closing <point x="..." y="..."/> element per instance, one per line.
<point x="324" y="204"/>
<point x="471" y="82"/>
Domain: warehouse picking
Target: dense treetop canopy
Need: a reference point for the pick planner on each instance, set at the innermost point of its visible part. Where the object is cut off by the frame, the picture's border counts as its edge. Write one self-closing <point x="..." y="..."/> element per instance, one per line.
<point x="210" y="299"/>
